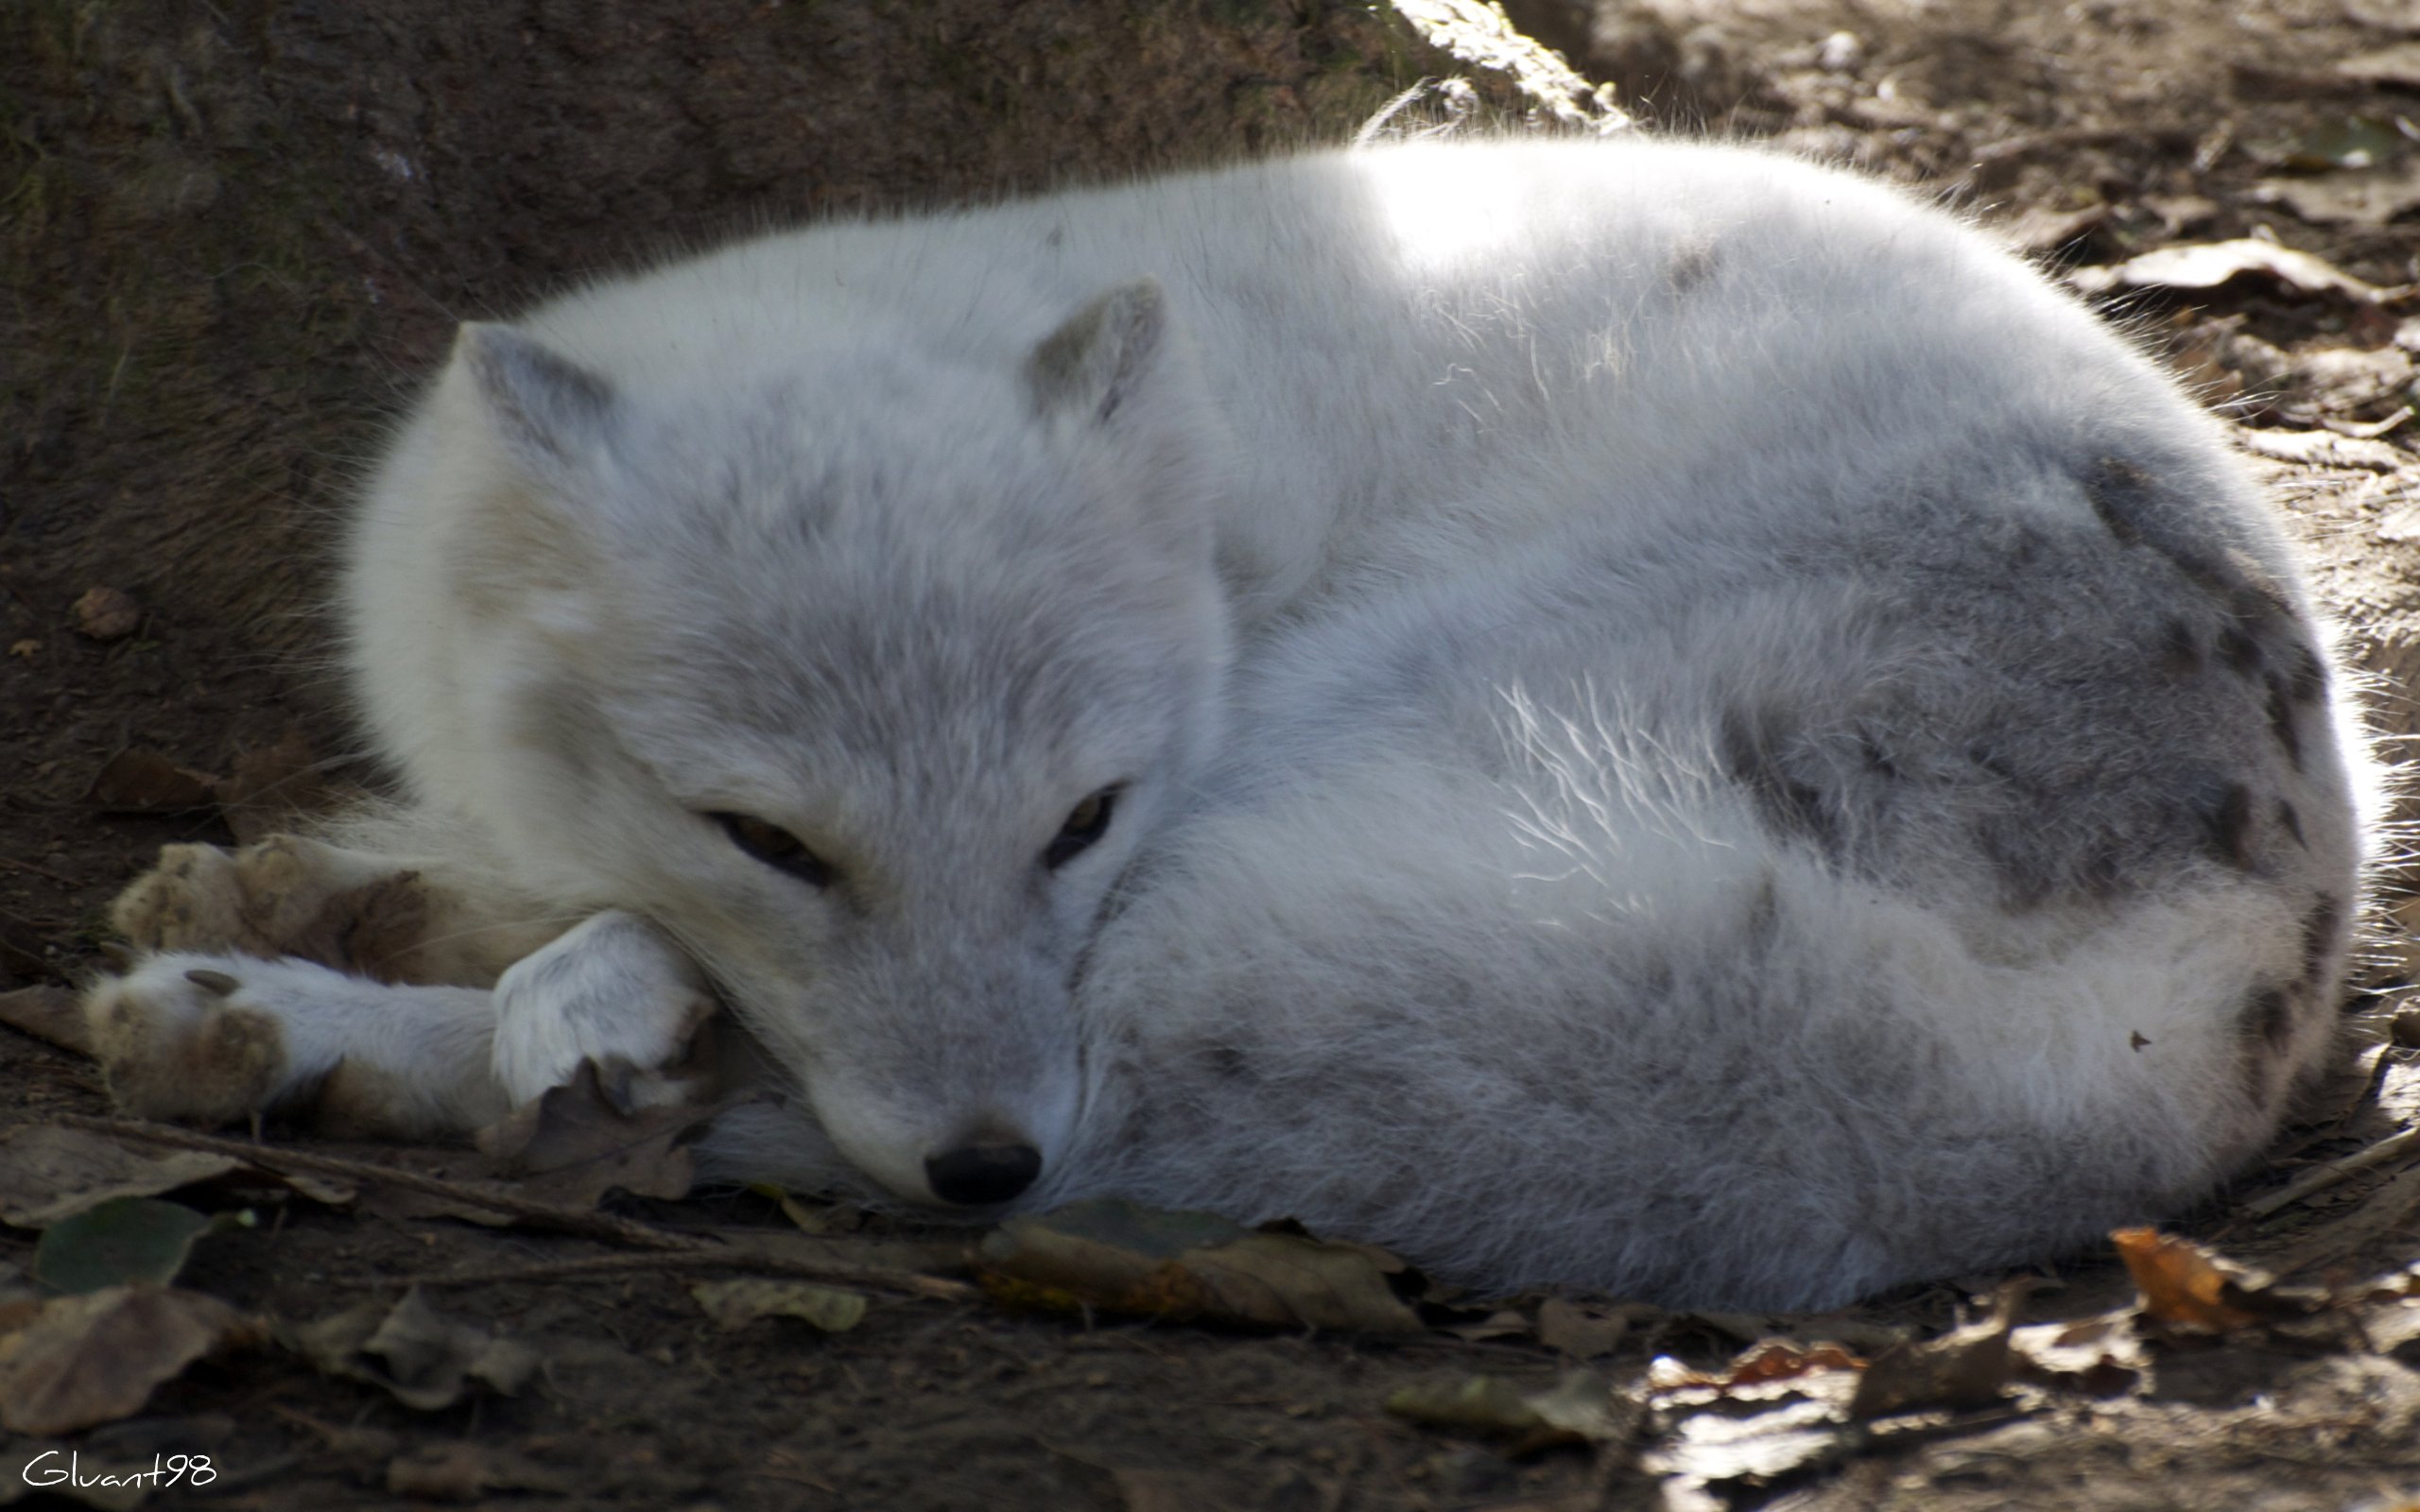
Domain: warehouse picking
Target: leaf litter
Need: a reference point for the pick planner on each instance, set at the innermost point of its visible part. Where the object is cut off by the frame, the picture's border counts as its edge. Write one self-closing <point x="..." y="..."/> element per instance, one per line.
<point x="422" y="1358"/>
<point x="1119" y="1256"/>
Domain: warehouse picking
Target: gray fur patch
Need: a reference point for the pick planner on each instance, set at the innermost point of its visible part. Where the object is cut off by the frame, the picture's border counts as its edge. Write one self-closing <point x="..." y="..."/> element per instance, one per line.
<point x="1692" y="262"/>
<point x="1788" y="804"/>
<point x="2226" y="825"/>
<point x="2321" y="928"/>
<point x="2267" y="1020"/>
<point x="2111" y="487"/>
<point x="2180" y="651"/>
<point x="2282" y="715"/>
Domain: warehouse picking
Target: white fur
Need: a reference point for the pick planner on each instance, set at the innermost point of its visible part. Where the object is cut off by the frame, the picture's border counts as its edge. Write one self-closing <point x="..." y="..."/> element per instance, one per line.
<point x="1686" y="724"/>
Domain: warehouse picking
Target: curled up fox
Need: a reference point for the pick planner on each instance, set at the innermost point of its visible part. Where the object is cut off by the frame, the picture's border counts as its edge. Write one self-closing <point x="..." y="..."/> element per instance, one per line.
<point x="1621" y="713"/>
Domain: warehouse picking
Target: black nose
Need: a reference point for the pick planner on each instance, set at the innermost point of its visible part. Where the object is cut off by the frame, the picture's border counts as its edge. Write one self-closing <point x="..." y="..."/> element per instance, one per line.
<point x="974" y="1174"/>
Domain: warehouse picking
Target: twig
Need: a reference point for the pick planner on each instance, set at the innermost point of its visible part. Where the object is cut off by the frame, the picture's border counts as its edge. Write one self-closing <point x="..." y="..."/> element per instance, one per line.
<point x="479" y="1195"/>
<point x="668" y="1250"/>
<point x="2320" y="1177"/>
<point x="839" y="1273"/>
<point x="39" y="871"/>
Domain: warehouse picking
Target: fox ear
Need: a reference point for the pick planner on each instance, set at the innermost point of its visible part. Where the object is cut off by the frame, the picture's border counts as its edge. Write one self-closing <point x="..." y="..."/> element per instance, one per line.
<point x="550" y="412"/>
<point x="1092" y="365"/>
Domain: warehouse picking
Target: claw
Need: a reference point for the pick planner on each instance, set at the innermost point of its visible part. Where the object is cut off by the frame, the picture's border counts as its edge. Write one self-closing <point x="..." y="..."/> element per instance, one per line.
<point x="217" y="984"/>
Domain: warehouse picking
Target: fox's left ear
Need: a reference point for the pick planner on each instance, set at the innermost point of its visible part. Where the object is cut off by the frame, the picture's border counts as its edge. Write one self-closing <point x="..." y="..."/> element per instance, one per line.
<point x="553" y="415"/>
<point x="1089" y="368"/>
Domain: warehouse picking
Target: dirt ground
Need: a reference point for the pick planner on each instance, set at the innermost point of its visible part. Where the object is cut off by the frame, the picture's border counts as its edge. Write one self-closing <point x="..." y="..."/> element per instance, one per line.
<point x="2092" y="133"/>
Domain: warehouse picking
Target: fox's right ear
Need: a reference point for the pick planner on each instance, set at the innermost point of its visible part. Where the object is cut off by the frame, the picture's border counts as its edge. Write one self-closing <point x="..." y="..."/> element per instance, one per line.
<point x="1102" y="355"/>
<point x="552" y="414"/>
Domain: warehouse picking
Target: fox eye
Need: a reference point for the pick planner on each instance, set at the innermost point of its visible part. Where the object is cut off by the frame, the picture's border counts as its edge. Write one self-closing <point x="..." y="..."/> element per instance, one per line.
<point x="1088" y="821"/>
<point x="775" y="846"/>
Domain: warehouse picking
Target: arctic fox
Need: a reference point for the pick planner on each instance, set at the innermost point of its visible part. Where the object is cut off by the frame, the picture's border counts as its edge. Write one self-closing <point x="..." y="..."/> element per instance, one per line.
<point x="1619" y="713"/>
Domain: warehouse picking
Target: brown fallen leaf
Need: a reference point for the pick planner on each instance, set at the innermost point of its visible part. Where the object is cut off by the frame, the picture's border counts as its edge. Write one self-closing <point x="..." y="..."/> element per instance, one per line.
<point x="97" y="1357"/>
<point x="51" y="1014"/>
<point x="1781" y="1360"/>
<point x="2187" y="1286"/>
<point x="580" y="1141"/>
<point x="141" y="781"/>
<point x="1122" y="1258"/>
<point x="49" y="1173"/>
<point x="1966" y="1368"/>
<point x="1753" y="1374"/>
<point x="423" y="1359"/>
<point x="2098" y="1355"/>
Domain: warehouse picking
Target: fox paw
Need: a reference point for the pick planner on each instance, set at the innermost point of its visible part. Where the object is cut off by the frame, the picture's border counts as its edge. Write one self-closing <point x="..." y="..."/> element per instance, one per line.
<point x="285" y="896"/>
<point x="183" y="1036"/>
<point x="613" y="990"/>
<point x="212" y="1038"/>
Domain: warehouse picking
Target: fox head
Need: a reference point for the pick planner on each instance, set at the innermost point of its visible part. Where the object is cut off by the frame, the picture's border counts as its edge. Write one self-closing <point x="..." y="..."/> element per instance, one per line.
<point x="864" y="672"/>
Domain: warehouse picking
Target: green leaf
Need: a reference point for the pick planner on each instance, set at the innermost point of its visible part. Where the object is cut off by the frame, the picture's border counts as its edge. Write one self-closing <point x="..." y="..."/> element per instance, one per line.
<point x="122" y="1240"/>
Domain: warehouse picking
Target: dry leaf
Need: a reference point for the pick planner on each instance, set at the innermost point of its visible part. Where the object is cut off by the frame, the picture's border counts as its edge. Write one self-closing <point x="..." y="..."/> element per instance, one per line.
<point x="1966" y="1368"/>
<point x="736" y="1304"/>
<point x="2398" y="64"/>
<point x="142" y="780"/>
<point x="1781" y="1360"/>
<point x="2355" y="197"/>
<point x="2187" y="1286"/>
<point x="47" y="1172"/>
<point x="2098" y="1355"/>
<point x="425" y="1360"/>
<point x="50" y="1014"/>
<point x="1123" y="1257"/>
<point x="2392" y="15"/>
<point x="97" y="1357"/>
<point x="2207" y="264"/>
<point x="1707" y="1448"/>
<point x="1580" y="1408"/>
<point x="1753" y="1374"/>
<point x="2324" y="449"/>
<point x="578" y="1141"/>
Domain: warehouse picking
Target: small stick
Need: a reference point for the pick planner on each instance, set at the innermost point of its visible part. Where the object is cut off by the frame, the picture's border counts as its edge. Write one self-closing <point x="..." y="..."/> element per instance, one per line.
<point x="2320" y="1177"/>
<point x="668" y="1250"/>
<point x="39" y="871"/>
<point x="480" y="1195"/>
<point x="839" y="1273"/>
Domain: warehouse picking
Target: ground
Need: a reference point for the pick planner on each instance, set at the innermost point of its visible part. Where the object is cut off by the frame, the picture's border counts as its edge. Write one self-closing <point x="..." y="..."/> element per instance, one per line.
<point x="2093" y="133"/>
